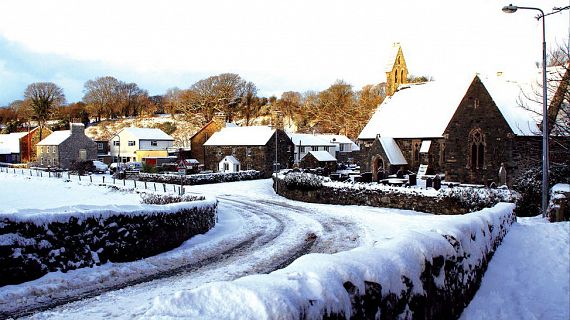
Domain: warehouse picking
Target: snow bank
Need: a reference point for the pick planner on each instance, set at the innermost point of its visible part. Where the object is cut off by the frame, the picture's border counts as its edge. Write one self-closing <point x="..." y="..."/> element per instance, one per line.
<point x="431" y="274"/>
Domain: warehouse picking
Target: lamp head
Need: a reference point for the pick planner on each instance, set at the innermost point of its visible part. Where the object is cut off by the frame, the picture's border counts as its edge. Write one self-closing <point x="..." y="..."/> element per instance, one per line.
<point x="510" y="9"/>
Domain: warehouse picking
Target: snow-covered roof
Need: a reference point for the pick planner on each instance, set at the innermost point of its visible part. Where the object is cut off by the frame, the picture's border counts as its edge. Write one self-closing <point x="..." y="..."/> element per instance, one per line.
<point x="424" y="148"/>
<point x="417" y="110"/>
<point x="230" y="159"/>
<point x="10" y="143"/>
<point x="55" y="138"/>
<point x="241" y="136"/>
<point x="148" y="133"/>
<point x="307" y="139"/>
<point x="395" y="156"/>
<point x="321" y="156"/>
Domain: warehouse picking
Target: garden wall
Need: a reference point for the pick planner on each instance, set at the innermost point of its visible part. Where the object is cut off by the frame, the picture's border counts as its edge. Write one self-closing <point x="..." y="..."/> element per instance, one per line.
<point x="202" y="178"/>
<point x="310" y="188"/>
<point x="35" y="243"/>
<point x="418" y="275"/>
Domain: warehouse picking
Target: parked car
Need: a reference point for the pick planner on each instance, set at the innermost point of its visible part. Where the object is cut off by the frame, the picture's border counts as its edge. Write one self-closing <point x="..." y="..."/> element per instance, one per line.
<point x="99" y="166"/>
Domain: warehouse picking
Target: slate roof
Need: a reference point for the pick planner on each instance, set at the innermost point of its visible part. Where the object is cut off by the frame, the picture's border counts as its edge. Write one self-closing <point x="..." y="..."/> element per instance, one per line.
<point x="55" y="138"/>
<point x="148" y="133"/>
<point x="321" y="156"/>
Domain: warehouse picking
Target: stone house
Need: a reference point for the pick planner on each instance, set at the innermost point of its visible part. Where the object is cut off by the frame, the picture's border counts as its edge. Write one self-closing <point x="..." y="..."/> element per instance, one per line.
<point x="255" y="148"/>
<point x="319" y="159"/>
<point x="134" y="144"/>
<point x="464" y="129"/>
<point x="64" y="148"/>
<point x="339" y="146"/>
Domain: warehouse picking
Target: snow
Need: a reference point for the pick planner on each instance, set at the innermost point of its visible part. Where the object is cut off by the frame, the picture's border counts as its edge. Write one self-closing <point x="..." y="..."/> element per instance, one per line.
<point x="417" y="110"/>
<point x="560" y="188"/>
<point x="425" y="146"/>
<point x="241" y="136"/>
<point x="306" y="139"/>
<point x="395" y="156"/>
<point x="529" y="276"/>
<point x="55" y="138"/>
<point x="322" y="156"/>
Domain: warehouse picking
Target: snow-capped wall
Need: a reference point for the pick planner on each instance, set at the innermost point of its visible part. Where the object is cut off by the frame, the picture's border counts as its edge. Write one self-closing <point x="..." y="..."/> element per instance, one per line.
<point x="201" y="178"/>
<point x="315" y="189"/>
<point x="422" y="275"/>
<point x="34" y="242"/>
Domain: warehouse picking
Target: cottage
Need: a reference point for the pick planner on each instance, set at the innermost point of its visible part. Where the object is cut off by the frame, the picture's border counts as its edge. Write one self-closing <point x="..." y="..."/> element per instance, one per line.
<point x="64" y="148"/>
<point x="255" y="148"/>
<point x="305" y="143"/>
<point x="134" y="144"/>
<point x="319" y="159"/>
<point x="464" y="129"/>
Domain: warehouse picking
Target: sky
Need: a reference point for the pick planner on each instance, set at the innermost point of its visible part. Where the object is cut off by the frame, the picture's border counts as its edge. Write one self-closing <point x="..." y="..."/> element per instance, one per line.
<point x="292" y="45"/>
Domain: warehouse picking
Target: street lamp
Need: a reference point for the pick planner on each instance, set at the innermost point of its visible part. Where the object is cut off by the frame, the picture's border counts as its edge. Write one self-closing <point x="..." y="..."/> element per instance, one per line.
<point x="511" y="9"/>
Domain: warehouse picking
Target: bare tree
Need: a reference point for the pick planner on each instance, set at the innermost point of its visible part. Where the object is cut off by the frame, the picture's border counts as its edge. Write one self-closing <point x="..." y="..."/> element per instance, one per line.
<point x="250" y="104"/>
<point x="101" y="96"/>
<point x="43" y="98"/>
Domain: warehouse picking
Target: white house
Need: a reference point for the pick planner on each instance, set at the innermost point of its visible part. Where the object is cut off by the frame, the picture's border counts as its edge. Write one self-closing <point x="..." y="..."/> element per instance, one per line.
<point x="229" y="164"/>
<point x="134" y="144"/>
<point x="339" y="146"/>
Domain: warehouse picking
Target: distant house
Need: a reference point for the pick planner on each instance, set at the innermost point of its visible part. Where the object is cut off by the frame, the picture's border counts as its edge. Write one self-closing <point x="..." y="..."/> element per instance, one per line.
<point x="319" y="159"/>
<point x="64" y="148"/>
<point x="464" y="129"/>
<point x="339" y="146"/>
<point x="134" y="144"/>
<point x="20" y="147"/>
<point x="306" y="142"/>
<point x="256" y="148"/>
<point x="10" y="147"/>
<point x="197" y="141"/>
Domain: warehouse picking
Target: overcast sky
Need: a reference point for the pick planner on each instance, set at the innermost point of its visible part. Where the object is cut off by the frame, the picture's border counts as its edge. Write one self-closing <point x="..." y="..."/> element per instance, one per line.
<point x="293" y="45"/>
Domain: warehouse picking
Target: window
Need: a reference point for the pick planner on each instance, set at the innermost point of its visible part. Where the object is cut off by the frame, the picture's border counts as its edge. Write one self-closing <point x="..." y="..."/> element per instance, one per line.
<point x="47" y="148"/>
<point x="54" y="149"/>
<point x="116" y="143"/>
<point x="154" y="143"/>
<point x="416" y="152"/>
<point x="315" y="148"/>
<point x="476" y="149"/>
<point x="248" y="151"/>
<point x="99" y="145"/>
<point x="131" y="143"/>
<point x="226" y="166"/>
<point x="82" y="154"/>
<point x="476" y="103"/>
<point x="396" y="76"/>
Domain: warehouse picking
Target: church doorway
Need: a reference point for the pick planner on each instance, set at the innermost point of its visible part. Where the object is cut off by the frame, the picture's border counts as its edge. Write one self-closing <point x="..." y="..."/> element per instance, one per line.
<point x="377" y="166"/>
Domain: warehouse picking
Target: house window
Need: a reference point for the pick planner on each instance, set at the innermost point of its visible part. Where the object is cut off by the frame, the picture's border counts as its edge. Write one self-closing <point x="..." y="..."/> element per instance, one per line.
<point x="154" y="143"/>
<point x="315" y="148"/>
<point x="131" y="143"/>
<point x="233" y="151"/>
<point x="47" y="148"/>
<point x="248" y="151"/>
<point x="476" y="149"/>
<point x="54" y="149"/>
<point x="42" y="160"/>
<point x="116" y="143"/>
<point x="82" y="154"/>
<point x="476" y="103"/>
<point x="249" y="166"/>
<point x="226" y="166"/>
<point x="99" y="145"/>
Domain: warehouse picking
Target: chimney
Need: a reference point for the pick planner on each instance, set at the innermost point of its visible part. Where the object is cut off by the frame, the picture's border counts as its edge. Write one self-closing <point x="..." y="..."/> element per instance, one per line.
<point x="220" y="118"/>
<point x="77" y="128"/>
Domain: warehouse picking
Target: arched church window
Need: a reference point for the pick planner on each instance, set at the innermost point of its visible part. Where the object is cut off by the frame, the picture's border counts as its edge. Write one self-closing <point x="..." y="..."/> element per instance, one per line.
<point x="396" y="76"/>
<point x="476" y="149"/>
<point x="402" y="76"/>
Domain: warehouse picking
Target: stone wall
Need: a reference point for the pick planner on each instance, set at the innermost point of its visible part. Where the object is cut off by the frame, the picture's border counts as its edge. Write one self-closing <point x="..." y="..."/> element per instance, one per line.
<point x="460" y="201"/>
<point x="29" y="250"/>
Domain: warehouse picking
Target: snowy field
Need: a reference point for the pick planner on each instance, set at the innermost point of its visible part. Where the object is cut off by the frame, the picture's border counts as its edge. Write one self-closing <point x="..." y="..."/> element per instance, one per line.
<point x="259" y="232"/>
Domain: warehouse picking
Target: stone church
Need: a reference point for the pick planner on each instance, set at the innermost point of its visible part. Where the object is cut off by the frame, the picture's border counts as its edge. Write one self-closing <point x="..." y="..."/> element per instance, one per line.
<point x="464" y="128"/>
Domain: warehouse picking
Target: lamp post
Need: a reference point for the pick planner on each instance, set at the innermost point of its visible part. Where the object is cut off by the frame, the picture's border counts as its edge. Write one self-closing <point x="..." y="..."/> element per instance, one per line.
<point x="511" y="9"/>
